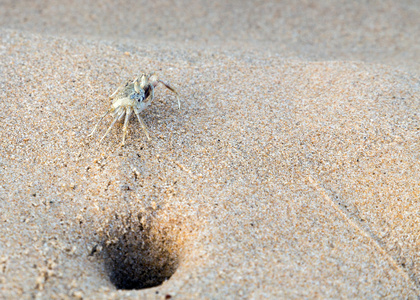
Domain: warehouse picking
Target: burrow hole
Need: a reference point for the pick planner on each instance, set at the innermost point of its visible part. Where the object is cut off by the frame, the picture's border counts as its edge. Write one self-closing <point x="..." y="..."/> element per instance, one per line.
<point x="139" y="253"/>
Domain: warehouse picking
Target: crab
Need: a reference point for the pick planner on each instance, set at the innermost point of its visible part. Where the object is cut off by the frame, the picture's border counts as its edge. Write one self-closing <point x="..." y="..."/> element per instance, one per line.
<point x="133" y="96"/>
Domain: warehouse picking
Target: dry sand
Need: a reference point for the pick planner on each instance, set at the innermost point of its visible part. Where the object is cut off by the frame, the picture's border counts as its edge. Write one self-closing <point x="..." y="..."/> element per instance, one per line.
<point x="291" y="171"/>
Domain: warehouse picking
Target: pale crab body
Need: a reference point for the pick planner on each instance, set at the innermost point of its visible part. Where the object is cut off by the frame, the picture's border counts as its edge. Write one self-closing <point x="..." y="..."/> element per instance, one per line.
<point x="126" y="104"/>
<point x="135" y="102"/>
<point x="133" y="97"/>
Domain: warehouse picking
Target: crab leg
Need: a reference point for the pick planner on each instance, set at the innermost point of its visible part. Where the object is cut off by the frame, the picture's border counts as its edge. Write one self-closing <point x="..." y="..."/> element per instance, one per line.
<point x="112" y="124"/>
<point x="103" y="116"/>
<point x="117" y="90"/>
<point x="168" y="86"/>
<point x="127" y="117"/>
<point x="142" y="125"/>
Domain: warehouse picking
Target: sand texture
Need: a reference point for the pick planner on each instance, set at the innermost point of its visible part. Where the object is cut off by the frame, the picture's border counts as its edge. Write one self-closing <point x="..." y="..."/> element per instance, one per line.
<point x="291" y="170"/>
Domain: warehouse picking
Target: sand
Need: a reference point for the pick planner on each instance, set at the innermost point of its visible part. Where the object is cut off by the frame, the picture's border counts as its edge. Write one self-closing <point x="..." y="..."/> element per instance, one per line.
<point x="290" y="171"/>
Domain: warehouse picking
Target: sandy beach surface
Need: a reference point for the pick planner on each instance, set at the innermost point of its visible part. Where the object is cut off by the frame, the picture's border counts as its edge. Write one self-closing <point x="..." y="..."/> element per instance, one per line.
<point x="291" y="170"/>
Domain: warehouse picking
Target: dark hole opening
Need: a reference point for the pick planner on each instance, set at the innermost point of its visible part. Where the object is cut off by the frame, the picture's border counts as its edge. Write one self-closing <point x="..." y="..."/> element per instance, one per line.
<point x="140" y="259"/>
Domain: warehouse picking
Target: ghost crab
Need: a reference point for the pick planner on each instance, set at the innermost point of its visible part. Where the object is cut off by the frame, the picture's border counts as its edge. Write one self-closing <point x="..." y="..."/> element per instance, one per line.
<point x="133" y="96"/>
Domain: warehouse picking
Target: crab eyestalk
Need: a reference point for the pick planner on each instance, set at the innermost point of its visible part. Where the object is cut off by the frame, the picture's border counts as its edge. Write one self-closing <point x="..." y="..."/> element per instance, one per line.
<point x="137" y="85"/>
